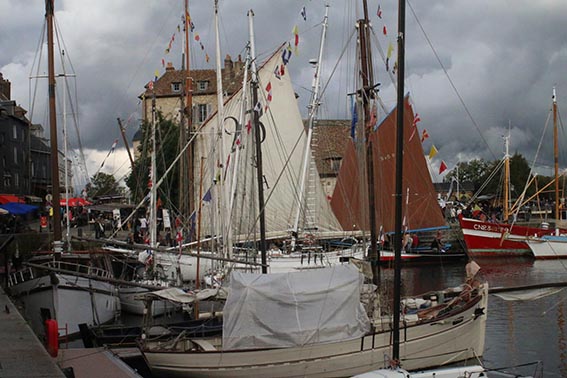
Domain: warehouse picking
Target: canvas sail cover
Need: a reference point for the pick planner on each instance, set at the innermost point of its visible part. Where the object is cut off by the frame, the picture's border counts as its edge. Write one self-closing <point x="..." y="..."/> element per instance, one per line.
<point x="282" y="151"/>
<point x="293" y="309"/>
<point x="420" y="206"/>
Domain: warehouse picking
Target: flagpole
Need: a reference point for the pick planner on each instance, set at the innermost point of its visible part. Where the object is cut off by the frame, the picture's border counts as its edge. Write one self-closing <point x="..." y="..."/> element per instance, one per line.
<point x="313" y="107"/>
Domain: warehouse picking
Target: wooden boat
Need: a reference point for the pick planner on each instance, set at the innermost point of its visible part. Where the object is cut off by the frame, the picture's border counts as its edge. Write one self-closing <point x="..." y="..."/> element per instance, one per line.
<point x="269" y="328"/>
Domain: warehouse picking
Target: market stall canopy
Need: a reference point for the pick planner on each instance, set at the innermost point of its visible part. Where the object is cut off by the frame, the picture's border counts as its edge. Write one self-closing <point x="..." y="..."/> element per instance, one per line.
<point x="7" y="198"/>
<point x="74" y="202"/>
<point x="18" y="208"/>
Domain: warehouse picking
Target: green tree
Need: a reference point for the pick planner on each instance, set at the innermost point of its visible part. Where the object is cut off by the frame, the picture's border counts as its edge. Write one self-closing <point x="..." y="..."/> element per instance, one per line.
<point x="103" y="184"/>
<point x="481" y="172"/>
<point x="167" y="147"/>
<point x="473" y="171"/>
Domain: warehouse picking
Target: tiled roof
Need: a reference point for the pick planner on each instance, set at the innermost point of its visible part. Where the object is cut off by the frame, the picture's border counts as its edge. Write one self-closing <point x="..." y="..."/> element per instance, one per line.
<point x="163" y="86"/>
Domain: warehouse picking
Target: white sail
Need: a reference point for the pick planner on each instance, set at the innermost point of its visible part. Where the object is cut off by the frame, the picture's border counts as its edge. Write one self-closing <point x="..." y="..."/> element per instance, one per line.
<point x="282" y="157"/>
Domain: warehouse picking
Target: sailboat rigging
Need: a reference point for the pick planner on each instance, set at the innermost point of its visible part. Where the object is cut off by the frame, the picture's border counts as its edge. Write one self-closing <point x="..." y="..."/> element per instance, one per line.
<point x="253" y="343"/>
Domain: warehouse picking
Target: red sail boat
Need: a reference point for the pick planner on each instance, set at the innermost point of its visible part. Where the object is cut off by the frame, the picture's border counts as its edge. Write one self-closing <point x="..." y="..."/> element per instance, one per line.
<point x="421" y="210"/>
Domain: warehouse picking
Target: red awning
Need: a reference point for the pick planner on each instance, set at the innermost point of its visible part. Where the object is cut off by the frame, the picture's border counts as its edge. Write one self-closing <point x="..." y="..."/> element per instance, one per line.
<point x="74" y="202"/>
<point x="7" y="198"/>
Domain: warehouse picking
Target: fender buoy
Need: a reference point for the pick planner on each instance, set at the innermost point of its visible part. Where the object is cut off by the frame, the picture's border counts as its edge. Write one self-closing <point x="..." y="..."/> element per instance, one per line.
<point x="52" y="337"/>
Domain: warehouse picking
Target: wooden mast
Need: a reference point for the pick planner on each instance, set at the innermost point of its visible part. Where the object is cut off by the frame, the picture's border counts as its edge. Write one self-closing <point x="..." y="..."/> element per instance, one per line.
<point x="506" y="207"/>
<point x="257" y="140"/>
<point x="186" y="174"/>
<point x="49" y="7"/>
<point x="556" y="156"/>
<point x="399" y="175"/>
<point x="367" y="94"/>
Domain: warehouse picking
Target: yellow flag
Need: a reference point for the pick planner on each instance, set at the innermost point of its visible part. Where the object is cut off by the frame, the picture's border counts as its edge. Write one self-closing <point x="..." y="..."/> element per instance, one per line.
<point x="390" y="50"/>
<point x="432" y="152"/>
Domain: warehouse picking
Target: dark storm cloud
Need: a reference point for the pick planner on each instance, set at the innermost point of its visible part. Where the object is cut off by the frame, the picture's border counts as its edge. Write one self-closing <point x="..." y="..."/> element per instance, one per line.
<point x="503" y="57"/>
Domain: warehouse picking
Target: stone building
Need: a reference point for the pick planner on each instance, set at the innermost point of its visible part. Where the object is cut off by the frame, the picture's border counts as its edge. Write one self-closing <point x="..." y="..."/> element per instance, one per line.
<point x="25" y="154"/>
<point x="169" y="93"/>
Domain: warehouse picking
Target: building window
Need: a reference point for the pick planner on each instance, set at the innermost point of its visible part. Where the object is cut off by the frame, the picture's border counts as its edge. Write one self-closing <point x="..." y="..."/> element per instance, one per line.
<point x="15" y="132"/>
<point x="203" y="112"/>
<point x="335" y="163"/>
<point x="202" y="85"/>
<point x="3" y="161"/>
<point x="16" y="180"/>
<point x="32" y="169"/>
<point x="7" y="180"/>
<point x="176" y="87"/>
<point x="15" y="155"/>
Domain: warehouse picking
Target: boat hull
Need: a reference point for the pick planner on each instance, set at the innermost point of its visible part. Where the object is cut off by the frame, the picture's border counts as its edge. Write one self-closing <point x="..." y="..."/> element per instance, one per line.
<point x="489" y="239"/>
<point x="71" y="300"/>
<point x="453" y="338"/>
<point x="548" y="247"/>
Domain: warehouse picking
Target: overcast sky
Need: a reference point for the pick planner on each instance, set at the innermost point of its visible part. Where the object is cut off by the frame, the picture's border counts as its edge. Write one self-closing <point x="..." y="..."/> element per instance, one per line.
<point x="502" y="56"/>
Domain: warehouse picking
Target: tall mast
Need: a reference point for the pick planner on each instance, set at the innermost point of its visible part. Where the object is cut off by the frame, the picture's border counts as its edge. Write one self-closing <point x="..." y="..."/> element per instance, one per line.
<point x="153" y="173"/>
<point x="256" y="127"/>
<point x="186" y="174"/>
<point x="49" y="7"/>
<point x="313" y="106"/>
<point x="65" y="154"/>
<point x="224" y="212"/>
<point x="556" y="155"/>
<point x="399" y="175"/>
<point x="367" y="93"/>
<point x="238" y="148"/>
<point x="507" y="176"/>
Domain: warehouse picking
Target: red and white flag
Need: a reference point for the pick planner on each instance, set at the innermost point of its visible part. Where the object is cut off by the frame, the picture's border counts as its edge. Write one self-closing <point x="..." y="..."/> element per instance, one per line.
<point x="442" y="167"/>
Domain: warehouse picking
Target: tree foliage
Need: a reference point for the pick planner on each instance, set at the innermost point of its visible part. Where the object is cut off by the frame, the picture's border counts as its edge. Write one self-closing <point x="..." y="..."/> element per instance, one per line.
<point x="483" y="173"/>
<point x="167" y="147"/>
<point x="103" y="184"/>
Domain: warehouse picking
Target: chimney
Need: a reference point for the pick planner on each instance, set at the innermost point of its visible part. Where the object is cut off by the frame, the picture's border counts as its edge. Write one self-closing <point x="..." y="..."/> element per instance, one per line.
<point x="228" y="66"/>
<point x="238" y="65"/>
<point x="5" y="87"/>
<point x="169" y="67"/>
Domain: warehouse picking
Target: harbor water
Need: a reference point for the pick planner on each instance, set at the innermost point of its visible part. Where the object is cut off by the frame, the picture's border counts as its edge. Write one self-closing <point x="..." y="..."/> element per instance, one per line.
<point x="517" y="332"/>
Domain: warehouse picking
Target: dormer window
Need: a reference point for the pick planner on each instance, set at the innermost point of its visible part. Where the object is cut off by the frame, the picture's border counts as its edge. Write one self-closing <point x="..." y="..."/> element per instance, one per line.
<point x="202" y="85"/>
<point x="176" y="87"/>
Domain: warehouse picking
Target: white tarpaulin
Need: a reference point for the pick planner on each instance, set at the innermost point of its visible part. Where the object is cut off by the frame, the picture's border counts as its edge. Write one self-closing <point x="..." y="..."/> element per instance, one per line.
<point x="294" y="309"/>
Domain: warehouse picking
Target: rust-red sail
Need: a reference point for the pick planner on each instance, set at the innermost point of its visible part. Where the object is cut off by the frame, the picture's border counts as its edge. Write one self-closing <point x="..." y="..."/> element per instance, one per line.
<point x="421" y="209"/>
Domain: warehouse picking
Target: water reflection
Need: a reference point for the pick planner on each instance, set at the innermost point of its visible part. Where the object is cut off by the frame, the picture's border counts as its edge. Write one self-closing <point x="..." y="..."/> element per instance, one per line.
<point x="517" y="332"/>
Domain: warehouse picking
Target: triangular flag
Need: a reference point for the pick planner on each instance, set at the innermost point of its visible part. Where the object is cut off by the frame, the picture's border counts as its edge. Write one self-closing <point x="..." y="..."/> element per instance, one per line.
<point x="296" y="34"/>
<point x="432" y="152"/>
<point x="207" y="57"/>
<point x="384" y="30"/>
<point x="390" y="50"/>
<point x="156" y="75"/>
<point x="208" y="196"/>
<point x="269" y="90"/>
<point x="277" y="72"/>
<point x="197" y="37"/>
<point x="379" y="12"/>
<point x="424" y="135"/>
<point x="416" y="119"/>
<point x="304" y="14"/>
<point x="442" y="167"/>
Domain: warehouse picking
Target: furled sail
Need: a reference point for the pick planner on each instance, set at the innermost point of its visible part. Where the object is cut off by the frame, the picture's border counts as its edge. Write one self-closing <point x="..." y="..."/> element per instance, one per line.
<point x="421" y="209"/>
